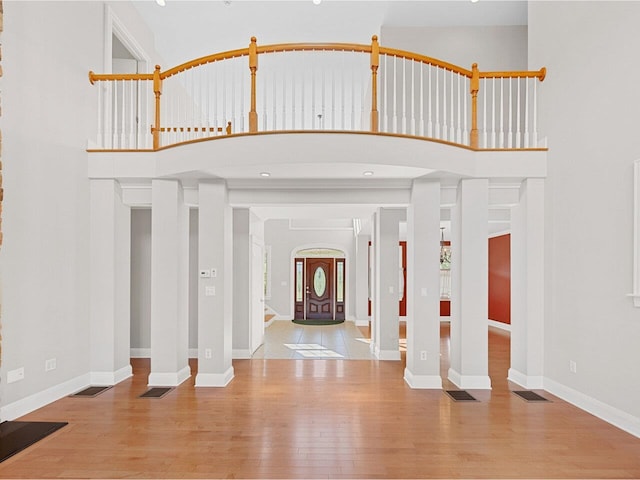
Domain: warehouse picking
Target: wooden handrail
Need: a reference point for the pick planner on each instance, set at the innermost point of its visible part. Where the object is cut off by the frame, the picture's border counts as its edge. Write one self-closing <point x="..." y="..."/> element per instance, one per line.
<point x="374" y="50"/>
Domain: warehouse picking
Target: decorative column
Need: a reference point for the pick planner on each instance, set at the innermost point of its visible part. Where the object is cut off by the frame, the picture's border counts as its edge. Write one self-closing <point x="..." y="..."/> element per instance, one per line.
<point x="386" y="301"/>
<point x="362" y="280"/>
<point x="169" y="284"/>
<point x="469" y="286"/>
<point x="423" y="286"/>
<point x="527" y="286"/>
<point x="215" y="286"/>
<point x="110" y="278"/>
<point x="241" y="284"/>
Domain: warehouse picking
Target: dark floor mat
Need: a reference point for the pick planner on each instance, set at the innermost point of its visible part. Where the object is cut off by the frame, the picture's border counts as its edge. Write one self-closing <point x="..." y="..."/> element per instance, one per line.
<point x="156" y="392"/>
<point x="461" y="396"/>
<point x="90" y="392"/>
<point x="16" y="436"/>
<point x="530" y="396"/>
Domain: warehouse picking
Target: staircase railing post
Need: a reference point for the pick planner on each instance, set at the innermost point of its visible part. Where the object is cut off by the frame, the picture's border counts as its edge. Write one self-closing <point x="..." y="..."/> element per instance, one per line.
<point x="157" y="90"/>
<point x="253" y="67"/>
<point x="475" y="87"/>
<point x="375" y="63"/>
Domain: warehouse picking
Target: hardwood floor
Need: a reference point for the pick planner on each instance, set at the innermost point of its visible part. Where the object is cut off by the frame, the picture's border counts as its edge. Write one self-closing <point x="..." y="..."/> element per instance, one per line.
<point x="324" y="419"/>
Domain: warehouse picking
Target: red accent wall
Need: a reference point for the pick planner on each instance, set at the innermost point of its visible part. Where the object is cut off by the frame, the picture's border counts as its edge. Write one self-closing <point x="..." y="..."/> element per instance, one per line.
<point x="500" y="278"/>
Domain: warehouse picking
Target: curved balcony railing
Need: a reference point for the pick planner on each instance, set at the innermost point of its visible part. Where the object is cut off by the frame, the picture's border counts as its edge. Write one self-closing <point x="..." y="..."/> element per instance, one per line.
<point x="318" y="87"/>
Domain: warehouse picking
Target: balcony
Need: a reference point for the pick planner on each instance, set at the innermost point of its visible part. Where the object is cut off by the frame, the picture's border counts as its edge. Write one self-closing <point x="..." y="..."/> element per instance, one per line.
<point x="318" y="88"/>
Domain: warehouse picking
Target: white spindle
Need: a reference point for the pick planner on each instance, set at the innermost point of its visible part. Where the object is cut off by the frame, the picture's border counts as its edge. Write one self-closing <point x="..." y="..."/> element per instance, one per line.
<point x="485" y="127"/>
<point x="445" y="123"/>
<point x="518" y="132"/>
<point x="465" y="133"/>
<point x="132" y="114"/>
<point x="353" y="99"/>
<point x="452" y="118"/>
<point x="493" y="113"/>
<point x="429" y="105"/>
<point x="526" y="114"/>
<point x="459" y="120"/>
<point x="437" y="130"/>
<point x="113" y="120"/>
<point x="422" y="66"/>
<point x="534" y="143"/>
<point x="386" y="97"/>
<point x="413" y="99"/>
<point x="293" y="98"/>
<point x="100" y="139"/>
<point x="404" y="96"/>
<point x="395" y="98"/>
<point x="510" y="132"/>
<point x="123" y="113"/>
<point x="501" y="136"/>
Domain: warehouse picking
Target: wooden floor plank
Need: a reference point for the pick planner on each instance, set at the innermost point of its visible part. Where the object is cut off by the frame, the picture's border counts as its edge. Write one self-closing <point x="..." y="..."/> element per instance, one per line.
<point x="324" y="419"/>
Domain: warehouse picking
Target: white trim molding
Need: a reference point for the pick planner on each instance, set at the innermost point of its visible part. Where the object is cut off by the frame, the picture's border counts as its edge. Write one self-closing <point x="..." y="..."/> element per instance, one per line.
<point x="110" y="378"/>
<point x="38" y="400"/>
<point x="500" y="325"/>
<point x="214" y="379"/>
<point x="609" y="414"/>
<point x="387" y="354"/>
<point x="525" y="381"/>
<point x="422" y="381"/>
<point x="635" y="295"/>
<point x="477" y="382"/>
<point x="241" y="354"/>
<point x="169" y="379"/>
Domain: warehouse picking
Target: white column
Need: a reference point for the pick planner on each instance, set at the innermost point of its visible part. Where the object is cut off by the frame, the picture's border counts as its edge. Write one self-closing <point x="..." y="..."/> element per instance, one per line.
<point x="215" y="293"/>
<point x="169" y="284"/>
<point x="469" y="293"/>
<point x="110" y="270"/>
<point x="423" y="286"/>
<point x="241" y="284"/>
<point x="527" y="286"/>
<point x="362" y="280"/>
<point x="386" y="244"/>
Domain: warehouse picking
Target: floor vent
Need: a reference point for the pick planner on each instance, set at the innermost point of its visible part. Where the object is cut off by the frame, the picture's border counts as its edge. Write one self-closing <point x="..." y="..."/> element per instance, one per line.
<point x="461" y="396"/>
<point x="90" y="392"/>
<point x="530" y="396"/>
<point x="156" y="392"/>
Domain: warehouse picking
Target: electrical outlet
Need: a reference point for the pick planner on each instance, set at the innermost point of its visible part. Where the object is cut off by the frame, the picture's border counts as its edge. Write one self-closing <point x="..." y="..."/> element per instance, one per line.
<point x="207" y="353"/>
<point x="573" y="368"/>
<point x="423" y="355"/>
<point x="15" y="375"/>
<point x="209" y="291"/>
<point x="50" y="365"/>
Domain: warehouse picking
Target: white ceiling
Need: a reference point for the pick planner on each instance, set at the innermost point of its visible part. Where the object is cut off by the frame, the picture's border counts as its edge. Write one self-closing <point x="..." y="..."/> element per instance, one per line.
<point x="188" y="29"/>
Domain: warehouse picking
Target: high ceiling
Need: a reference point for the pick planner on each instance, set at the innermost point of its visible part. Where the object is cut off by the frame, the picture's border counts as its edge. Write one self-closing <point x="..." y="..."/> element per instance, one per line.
<point x="187" y="29"/>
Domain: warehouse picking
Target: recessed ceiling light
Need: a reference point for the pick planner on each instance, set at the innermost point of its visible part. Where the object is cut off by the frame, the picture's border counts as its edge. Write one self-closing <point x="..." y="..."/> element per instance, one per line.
<point x="317" y="2"/>
<point x="368" y="173"/>
<point x="265" y="174"/>
<point x="162" y="3"/>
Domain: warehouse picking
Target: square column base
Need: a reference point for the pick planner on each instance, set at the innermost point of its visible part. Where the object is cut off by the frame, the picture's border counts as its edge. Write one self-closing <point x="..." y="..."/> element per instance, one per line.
<point x="477" y="382"/>
<point x="214" y="379"/>
<point x="387" y="354"/>
<point x="111" y="378"/>
<point x="525" y="381"/>
<point x="422" y="381"/>
<point x="170" y="379"/>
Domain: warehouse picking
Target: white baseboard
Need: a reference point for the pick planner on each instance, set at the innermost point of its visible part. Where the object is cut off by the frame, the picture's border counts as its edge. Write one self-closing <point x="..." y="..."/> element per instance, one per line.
<point x="609" y="414"/>
<point x="170" y="379"/>
<point x="422" y="381"/>
<point x="110" y="378"/>
<point x="500" y="325"/>
<point x="525" y="381"/>
<point x="214" y="379"/>
<point x="387" y="354"/>
<point x="241" y="354"/>
<point x="362" y="323"/>
<point x="445" y="319"/>
<point x="38" y="400"/>
<point x="473" y="382"/>
<point x="140" y="353"/>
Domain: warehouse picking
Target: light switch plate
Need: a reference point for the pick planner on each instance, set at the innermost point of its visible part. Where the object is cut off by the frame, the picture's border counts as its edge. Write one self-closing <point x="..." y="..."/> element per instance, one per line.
<point x="205" y="273"/>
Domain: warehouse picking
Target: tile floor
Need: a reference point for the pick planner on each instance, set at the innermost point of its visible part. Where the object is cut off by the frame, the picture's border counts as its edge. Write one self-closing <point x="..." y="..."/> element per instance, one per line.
<point x="287" y="340"/>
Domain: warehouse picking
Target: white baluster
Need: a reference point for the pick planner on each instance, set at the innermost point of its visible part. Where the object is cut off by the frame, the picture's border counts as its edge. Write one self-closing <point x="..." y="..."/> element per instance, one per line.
<point x="437" y="131"/>
<point x="510" y="132"/>
<point x="422" y="66"/>
<point x="445" y="123"/>
<point x="459" y="120"/>
<point x="386" y="97"/>
<point x="534" y="143"/>
<point x="429" y="105"/>
<point x="413" y="99"/>
<point x="132" y="114"/>
<point x="526" y="114"/>
<point x="404" y="96"/>
<point x="518" y="132"/>
<point x="452" y="136"/>
<point x="100" y="136"/>
<point x="501" y="135"/>
<point x="485" y="132"/>
<point x="394" y="125"/>
<point x="114" y="115"/>
<point x="465" y="133"/>
<point x="493" y="113"/>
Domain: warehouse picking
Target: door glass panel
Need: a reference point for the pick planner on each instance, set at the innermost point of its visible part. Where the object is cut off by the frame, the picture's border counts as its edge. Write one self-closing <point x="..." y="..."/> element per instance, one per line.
<point x="319" y="281"/>
<point x="299" y="280"/>
<point x="340" y="282"/>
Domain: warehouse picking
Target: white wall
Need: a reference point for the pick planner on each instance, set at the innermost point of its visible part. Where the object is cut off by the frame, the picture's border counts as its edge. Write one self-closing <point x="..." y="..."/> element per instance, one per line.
<point x="48" y="115"/>
<point x="588" y="111"/>
<point x="492" y="48"/>
<point x="283" y="241"/>
<point x="141" y="278"/>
